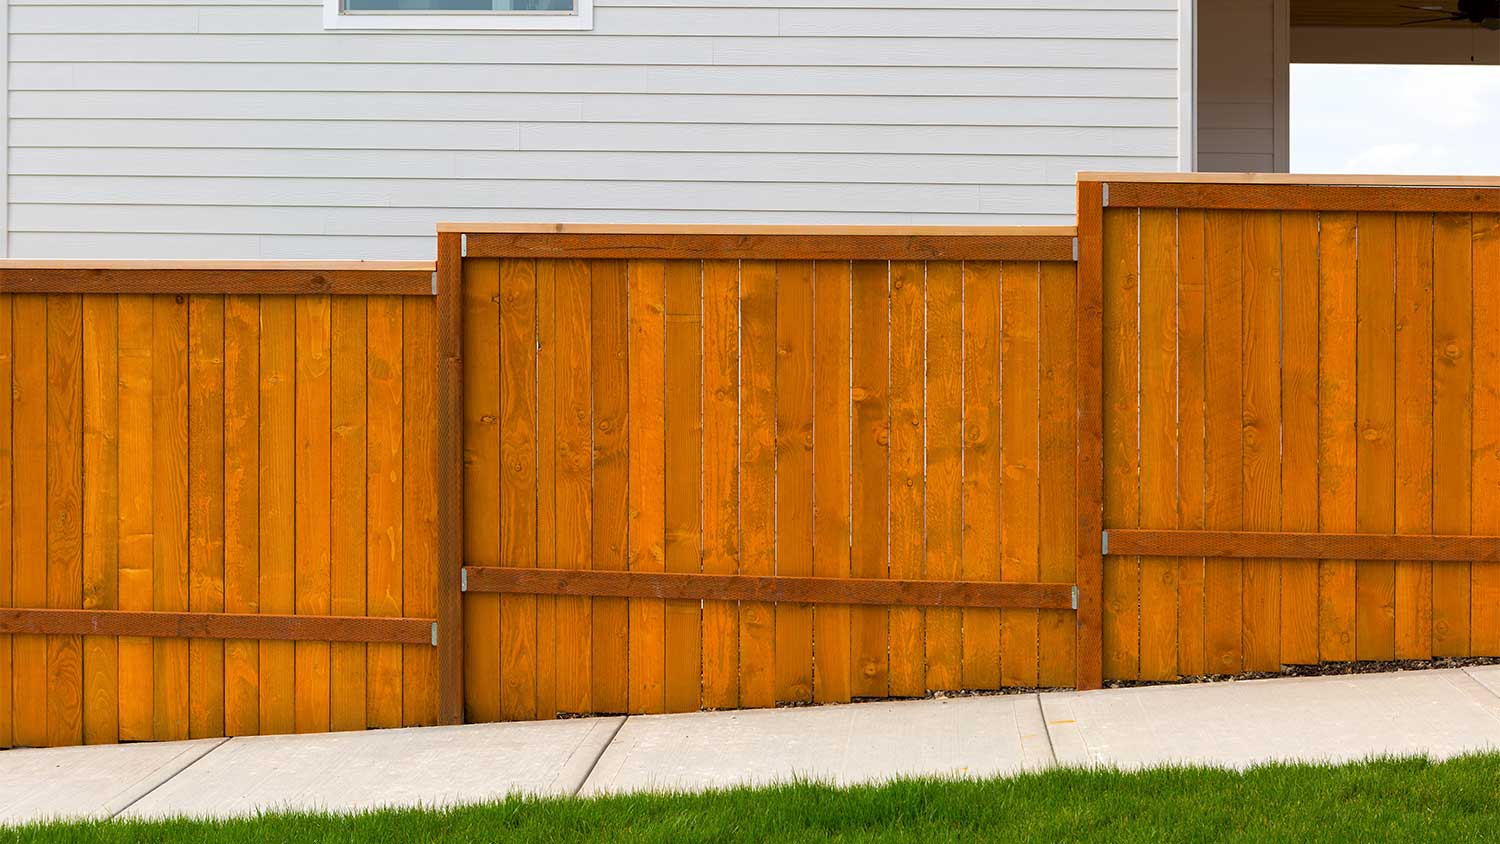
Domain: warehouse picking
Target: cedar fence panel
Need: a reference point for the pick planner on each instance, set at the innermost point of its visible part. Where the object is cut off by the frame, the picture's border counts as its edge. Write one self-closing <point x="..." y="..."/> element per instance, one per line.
<point x="192" y="453"/>
<point x="700" y="428"/>
<point x="1296" y="375"/>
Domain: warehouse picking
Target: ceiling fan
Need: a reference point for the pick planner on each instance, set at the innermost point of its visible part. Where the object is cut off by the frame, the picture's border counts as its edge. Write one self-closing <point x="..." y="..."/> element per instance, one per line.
<point x="1485" y="13"/>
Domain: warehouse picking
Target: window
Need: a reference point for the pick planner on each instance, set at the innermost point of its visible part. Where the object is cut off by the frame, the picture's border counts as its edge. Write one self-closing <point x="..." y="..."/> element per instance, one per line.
<point x="458" y="14"/>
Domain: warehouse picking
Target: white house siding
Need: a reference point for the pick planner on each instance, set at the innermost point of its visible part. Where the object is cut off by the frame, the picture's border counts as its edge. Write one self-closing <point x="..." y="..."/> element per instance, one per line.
<point x="168" y="128"/>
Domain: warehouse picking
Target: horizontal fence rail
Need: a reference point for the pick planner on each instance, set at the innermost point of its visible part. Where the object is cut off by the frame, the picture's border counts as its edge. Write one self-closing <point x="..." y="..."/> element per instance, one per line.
<point x="207" y="625"/>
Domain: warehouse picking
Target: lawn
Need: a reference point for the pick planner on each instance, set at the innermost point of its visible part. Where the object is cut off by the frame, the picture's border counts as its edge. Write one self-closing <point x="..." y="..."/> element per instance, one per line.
<point x="1381" y="800"/>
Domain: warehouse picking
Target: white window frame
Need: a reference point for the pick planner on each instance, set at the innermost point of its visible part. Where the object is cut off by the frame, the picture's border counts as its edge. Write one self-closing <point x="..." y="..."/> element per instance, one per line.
<point x="582" y="17"/>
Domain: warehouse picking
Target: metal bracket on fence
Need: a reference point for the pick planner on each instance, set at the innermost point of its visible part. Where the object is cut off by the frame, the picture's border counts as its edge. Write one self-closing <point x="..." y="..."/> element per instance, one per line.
<point x="463" y="580"/>
<point x="1075" y="249"/>
<point x="1105" y="193"/>
<point x="434" y="629"/>
<point x="1075" y="597"/>
<point x="1104" y="543"/>
<point x="434" y="283"/>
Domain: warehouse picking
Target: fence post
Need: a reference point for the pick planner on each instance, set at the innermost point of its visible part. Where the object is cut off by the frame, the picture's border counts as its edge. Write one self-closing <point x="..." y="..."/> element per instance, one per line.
<point x="1089" y="470"/>
<point x="447" y="282"/>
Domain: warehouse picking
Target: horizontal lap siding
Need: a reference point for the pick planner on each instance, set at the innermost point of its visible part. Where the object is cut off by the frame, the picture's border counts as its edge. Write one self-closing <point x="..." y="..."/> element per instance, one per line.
<point x="162" y="432"/>
<point x="1352" y="344"/>
<point x="245" y="130"/>
<point x="790" y="443"/>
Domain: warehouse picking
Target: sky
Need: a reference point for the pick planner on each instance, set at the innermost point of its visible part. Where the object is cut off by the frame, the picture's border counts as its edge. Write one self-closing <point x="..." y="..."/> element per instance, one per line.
<point x="1399" y="119"/>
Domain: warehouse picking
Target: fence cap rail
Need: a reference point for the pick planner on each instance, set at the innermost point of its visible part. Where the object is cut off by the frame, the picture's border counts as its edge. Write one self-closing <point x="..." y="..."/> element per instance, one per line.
<point x="828" y="231"/>
<point x="1303" y="179"/>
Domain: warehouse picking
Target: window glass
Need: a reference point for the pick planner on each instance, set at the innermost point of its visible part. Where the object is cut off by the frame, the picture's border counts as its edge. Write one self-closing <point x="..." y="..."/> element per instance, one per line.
<point x="458" y="5"/>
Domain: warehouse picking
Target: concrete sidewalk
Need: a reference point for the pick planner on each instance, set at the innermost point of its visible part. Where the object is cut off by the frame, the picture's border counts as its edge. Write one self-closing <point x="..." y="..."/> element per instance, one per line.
<point x="1438" y="713"/>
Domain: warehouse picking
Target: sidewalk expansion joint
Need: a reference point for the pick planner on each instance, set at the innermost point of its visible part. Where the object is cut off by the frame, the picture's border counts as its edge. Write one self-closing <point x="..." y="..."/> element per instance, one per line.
<point x="603" y="747"/>
<point x="168" y="778"/>
<point x="1046" y="728"/>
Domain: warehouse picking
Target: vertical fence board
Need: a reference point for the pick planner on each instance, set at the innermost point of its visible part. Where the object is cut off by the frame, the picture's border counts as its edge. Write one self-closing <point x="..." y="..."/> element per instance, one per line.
<point x="348" y="482"/>
<point x="546" y="483"/>
<point x="683" y="433"/>
<point x="1414" y="445"/>
<point x="29" y="488"/>
<point x="944" y="469"/>
<point x="1261" y="385"/>
<point x="610" y="343"/>
<point x="1224" y="442"/>
<point x="278" y="587"/>
<point x="1020" y="320"/>
<point x="101" y="511"/>
<point x="206" y="507"/>
<point x="981" y="467"/>
<point x="647" y="285"/>
<point x="1158" y="437"/>
<point x="169" y="450"/>
<point x="518" y="483"/>
<point x="907" y="484"/>
<point x="137" y="699"/>
<point x="721" y="523"/>
<point x="1299" y="430"/>
<point x="831" y="431"/>
<point x="314" y="510"/>
<point x="574" y="443"/>
<point x="1485" y="473"/>
<point x="241" y="508"/>
<point x="482" y="470"/>
<point x="1191" y="327"/>
<point x="870" y="472"/>
<point x="1058" y="430"/>
<point x="1375" y="458"/>
<point x="1338" y="427"/>
<point x="794" y="473"/>
<point x="419" y="528"/>
<point x="64" y="472"/>
<point x="1121" y="333"/>
<point x="385" y="475"/>
<point x="757" y="476"/>
<point x="7" y="511"/>
<point x="1452" y="421"/>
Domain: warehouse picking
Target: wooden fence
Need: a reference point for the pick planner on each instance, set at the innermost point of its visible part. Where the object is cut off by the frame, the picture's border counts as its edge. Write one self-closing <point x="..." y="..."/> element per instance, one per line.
<point x="815" y="421"/>
<point x="1284" y="360"/>
<point x="217" y="500"/>
<point x="1228" y="424"/>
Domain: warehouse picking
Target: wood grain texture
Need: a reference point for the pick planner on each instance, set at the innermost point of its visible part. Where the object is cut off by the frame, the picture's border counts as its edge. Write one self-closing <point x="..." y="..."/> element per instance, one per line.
<point x="830" y="472"/>
<point x="1191" y="391"/>
<point x="1159" y="441"/>
<point x="1413" y="430"/>
<point x="7" y="512"/>
<point x="611" y="466"/>
<point x="1338" y="428"/>
<point x="770" y="588"/>
<point x="430" y="681"/>
<point x="244" y="277"/>
<point x="1020" y="337"/>
<point x="1089" y="472"/>
<point x="721" y="474"/>
<point x="1260" y="380"/>
<point x="982" y="468"/>
<point x="782" y="247"/>
<point x="518" y="483"/>
<point x="794" y="473"/>
<point x="1375" y="456"/>
<point x="1224" y="436"/>
<point x="169" y="454"/>
<point x="944" y="466"/>
<point x="682" y="476"/>
<point x="241" y="508"/>
<point x="757" y="476"/>
<point x="101" y="511"/>
<point x="481" y="483"/>
<point x="1485" y="442"/>
<point x="314" y="510"/>
<point x="1058" y="431"/>
<point x="1452" y="355"/>
<point x="1299" y="431"/>
<point x="198" y="625"/>
<point x="136" y="544"/>
<point x="64" y="473"/>
<point x="348" y="486"/>
<point x="647" y="288"/>
<point x="278" y="515"/>
<point x="1121" y="339"/>
<point x="870" y="473"/>
<point x="384" y="530"/>
<point x="1248" y="544"/>
<point x="206" y="507"/>
<point x="573" y="442"/>
<point x="1266" y="197"/>
<point x="908" y="481"/>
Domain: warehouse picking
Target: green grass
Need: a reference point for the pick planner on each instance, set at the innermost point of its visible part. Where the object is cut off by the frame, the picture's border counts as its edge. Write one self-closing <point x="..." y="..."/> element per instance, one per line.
<point x="1387" y="800"/>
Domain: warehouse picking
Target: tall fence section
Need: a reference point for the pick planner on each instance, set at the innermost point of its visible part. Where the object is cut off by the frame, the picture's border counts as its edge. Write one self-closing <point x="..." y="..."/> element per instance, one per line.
<point x="1224" y="425"/>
